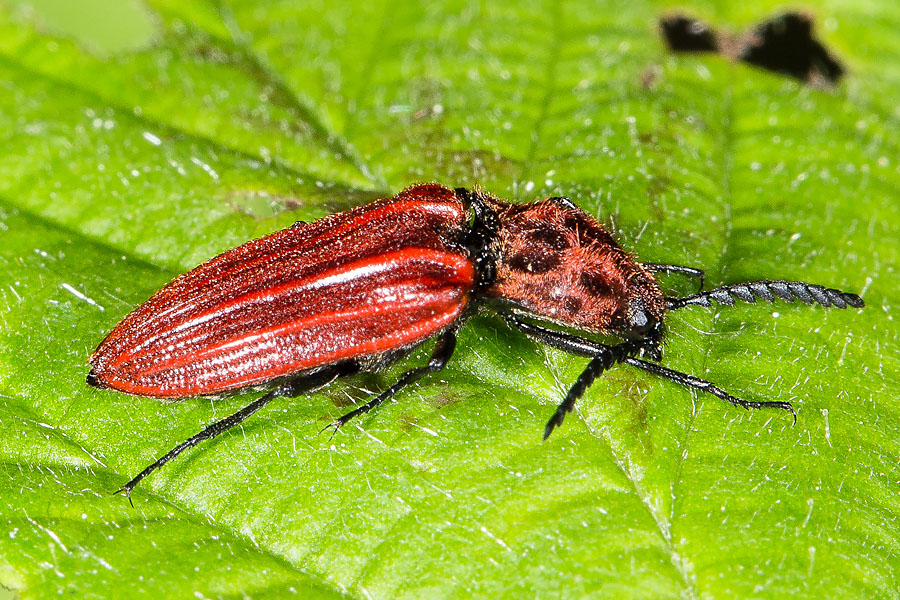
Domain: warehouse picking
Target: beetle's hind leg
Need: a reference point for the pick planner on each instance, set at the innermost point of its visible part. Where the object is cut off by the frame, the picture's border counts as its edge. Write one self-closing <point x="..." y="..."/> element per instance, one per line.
<point x="443" y="350"/>
<point x="294" y="387"/>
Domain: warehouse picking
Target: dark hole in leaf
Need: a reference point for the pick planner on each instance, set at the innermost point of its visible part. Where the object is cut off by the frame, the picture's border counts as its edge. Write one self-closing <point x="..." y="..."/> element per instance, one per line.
<point x="684" y="34"/>
<point x="783" y="44"/>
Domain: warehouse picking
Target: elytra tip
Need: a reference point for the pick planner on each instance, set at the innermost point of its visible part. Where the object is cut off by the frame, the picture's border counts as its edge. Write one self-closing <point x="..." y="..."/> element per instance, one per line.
<point x="92" y="380"/>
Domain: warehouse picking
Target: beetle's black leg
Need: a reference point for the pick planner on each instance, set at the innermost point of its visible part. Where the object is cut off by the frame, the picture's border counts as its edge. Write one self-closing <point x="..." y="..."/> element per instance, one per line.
<point x="567" y="342"/>
<point x="609" y="357"/>
<point x="602" y="358"/>
<point x="788" y="291"/>
<point x="443" y="350"/>
<point x="705" y="386"/>
<point x="689" y="271"/>
<point x="294" y="387"/>
<point x="585" y="347"/>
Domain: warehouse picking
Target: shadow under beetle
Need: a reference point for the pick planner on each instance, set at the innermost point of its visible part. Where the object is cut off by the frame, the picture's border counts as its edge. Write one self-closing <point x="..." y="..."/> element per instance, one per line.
<point x="357" y="290"/>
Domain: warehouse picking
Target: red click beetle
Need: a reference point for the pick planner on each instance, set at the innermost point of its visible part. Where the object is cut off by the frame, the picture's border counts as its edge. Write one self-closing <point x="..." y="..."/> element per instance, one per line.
<point x="357" y="290"/>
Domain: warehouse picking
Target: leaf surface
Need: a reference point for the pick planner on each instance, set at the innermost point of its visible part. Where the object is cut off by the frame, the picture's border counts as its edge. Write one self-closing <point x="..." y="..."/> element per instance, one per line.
<point x="127" y="159"/>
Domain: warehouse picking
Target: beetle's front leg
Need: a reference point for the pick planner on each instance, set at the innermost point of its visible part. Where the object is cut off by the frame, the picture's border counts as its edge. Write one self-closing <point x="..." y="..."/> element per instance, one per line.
<point x="602" y="357"/>
<point x="624" y="353"/>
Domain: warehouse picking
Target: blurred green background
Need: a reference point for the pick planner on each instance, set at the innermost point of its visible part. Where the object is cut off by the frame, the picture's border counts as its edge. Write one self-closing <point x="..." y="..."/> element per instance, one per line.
<point x="139" y="138"/>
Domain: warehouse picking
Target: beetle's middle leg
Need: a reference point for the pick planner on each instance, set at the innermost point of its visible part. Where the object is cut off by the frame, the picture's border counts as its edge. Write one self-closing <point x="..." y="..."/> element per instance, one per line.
<point x="443" y="350"/>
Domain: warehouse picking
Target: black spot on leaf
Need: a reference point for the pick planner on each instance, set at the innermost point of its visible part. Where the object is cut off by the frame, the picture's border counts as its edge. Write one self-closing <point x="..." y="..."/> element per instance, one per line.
<point x="684" y="34"/>
<point x="783" y="44"/>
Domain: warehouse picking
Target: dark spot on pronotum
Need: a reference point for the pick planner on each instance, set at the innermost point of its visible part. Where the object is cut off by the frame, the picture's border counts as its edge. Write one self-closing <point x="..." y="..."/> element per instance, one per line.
<point x="782" y="44"/>
<point x="551" y="237"/>
<point x="684" y="34"/>
<point x="595" y="283"/>
<point x="534" y="260"/>
<point x="570" y="222"/>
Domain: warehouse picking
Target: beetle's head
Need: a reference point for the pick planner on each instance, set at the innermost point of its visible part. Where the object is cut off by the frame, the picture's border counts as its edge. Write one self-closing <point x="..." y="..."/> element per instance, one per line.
<point x="558" y="263"/>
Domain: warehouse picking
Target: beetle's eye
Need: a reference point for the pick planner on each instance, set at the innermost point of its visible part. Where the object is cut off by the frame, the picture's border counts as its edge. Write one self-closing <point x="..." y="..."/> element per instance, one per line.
<point x="638" y="319"/>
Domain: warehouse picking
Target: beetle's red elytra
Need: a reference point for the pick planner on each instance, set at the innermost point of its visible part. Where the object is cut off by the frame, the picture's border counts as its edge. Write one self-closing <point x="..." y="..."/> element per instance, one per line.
<point x="351" y="286"/>
<point x="357" y="290"/>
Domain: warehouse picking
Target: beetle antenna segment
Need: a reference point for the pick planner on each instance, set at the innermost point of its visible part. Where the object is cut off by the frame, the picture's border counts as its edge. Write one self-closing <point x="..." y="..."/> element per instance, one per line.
<point x="301" y="385"/>
<point x="689" y="271"/>
<point x="788" y="291"/>
<point x="443" y="350"/>
<point x="705" y="386"/>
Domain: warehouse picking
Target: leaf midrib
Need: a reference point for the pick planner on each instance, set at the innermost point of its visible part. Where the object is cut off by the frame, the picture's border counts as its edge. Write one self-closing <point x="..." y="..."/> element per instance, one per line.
<point x="663" y="526"/>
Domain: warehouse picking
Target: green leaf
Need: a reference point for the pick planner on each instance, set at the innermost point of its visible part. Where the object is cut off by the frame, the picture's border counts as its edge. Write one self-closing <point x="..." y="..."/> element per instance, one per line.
<point x="128" y="155"/>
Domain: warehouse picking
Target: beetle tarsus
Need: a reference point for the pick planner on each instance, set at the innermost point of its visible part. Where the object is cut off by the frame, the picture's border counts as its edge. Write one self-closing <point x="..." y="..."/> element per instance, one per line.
<point x="333" y="426"/>
<point x="407" y="378"/>
<point x="126" y="489"/>
<point x="341" y="421"/>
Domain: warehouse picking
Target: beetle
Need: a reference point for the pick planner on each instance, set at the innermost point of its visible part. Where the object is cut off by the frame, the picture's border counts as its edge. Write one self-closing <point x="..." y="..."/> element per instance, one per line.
<point x="357" y="290"/>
